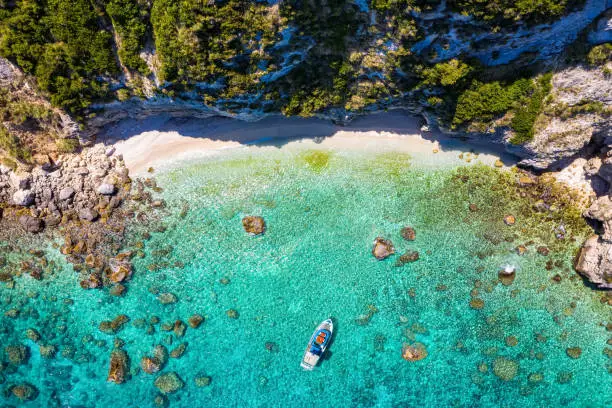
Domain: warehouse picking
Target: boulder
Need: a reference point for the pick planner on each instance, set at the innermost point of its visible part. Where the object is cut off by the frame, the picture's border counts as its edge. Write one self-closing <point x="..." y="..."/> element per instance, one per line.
<point x="120" y="270"/>
<point x="88" y="214"/>
<point x="382" y="248"/>
<point x="203" y="381"/>
<point x="594" y="262"/>
<point x="21" y="180"/>
<point x="106" y="189"/>
<point x="601" y="210"/>
<point x="66" y="193"/>
<point x="254" y="225"/>
<point x="31" y="224"/>
<point x="169" y="383"/>
<point x="119" y="366"/>
<point x="24" y="198"/>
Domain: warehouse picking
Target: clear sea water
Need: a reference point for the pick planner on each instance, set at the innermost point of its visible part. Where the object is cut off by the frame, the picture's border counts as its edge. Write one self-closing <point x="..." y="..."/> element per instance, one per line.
<point x="323" y="209"/>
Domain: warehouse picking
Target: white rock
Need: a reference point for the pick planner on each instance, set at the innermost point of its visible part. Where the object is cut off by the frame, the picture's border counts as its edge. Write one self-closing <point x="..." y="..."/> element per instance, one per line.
<point x="21" y="181"/>
<point x="106" y="189"/>
<point x="110" y="151"/>
<point x="23" y="197"/>
<point x="66" y="193"/>
<point x="4" y="169"/>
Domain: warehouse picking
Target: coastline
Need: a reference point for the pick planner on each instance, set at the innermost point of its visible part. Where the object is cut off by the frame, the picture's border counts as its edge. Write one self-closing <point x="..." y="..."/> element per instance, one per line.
<point x="174" y="141"/>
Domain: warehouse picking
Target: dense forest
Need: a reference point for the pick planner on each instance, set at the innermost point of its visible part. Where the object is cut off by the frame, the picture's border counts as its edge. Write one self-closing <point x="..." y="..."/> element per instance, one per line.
<point x="295" y="56"/>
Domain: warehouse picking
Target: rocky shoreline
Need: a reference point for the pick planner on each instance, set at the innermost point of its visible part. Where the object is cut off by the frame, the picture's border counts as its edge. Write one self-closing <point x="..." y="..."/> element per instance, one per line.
<point x="86" y="200"/>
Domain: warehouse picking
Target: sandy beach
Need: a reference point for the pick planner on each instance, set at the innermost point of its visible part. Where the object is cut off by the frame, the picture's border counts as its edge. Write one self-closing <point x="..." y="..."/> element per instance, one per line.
<point x="165" y="142"/>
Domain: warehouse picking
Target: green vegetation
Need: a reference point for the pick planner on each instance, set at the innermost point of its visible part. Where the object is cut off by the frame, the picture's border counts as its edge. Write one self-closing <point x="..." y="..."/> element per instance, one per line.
<point x="67" y="145"/>
<point x="484" y="101"/>
<point x="448" y="73"/>
<point x="60" y="42"/>
<point x="129" y="20"/>
<point x="226" y="51"/>
<point x="509" y="11"/>
<point x="13" y="146"/>
<point x="524" y="98"/>
<point x="600" y="54"/>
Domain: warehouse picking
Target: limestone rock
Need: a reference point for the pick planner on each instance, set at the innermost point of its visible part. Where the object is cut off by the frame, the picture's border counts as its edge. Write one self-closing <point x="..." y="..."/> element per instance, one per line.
<point x="254" y="225"/>
<point x="66" y="193"/>
<point x="21" y="180"/>
<point x="383" y="248"/>
<point x="106" y="189"/>
<point x="594" y="261"/>
<point x="24" y="198"/>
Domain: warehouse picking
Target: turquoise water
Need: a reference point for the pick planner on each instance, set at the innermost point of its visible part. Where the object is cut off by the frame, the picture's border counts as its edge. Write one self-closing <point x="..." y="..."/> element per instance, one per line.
<point x="323" y="210"/>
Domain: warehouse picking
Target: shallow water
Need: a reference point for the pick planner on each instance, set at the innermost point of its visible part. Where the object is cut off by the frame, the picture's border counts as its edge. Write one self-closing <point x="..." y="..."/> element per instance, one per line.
<point x="323" y="210"/>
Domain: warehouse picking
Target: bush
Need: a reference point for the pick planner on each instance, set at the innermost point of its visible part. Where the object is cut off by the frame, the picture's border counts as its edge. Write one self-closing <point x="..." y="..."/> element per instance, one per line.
<point x="447" y="73"/>
<point x="526" y="114"/>
<point x="600" y="54"/>
<point x="13" y="146"/>
<point x="67" y="145"/>
<point x="483" y="102"/>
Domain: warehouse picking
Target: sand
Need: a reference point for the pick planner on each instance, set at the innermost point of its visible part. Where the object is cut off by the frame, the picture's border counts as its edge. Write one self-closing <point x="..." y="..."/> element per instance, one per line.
<point x="163" y="142"/>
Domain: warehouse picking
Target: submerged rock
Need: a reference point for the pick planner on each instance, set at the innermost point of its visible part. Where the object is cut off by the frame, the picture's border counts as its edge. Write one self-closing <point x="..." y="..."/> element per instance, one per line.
<point x="150" y="365"/>
<point x="119" y="367"/>
<point x="232" y="313"/>
<point x="17" y="354"/>
<point x="414" y="352"/>
<point x="254" y="225"/>
<point x="574" y="352"/>
<point x="167" y="298"/>
<point x="169" y="383"/>
<point x="195" y="321"/>
<point x="203" y="381"/>
<point x="24" y="391"/>
<point x="505" y="368"/>
<point x="383" y="248"/>
<point x="408" y="233"/>
<point x="407" y="257"/>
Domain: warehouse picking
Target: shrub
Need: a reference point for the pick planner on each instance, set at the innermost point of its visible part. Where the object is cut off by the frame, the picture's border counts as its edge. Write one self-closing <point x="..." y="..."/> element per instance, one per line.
<point x="447" y="73"/>
<point x="600" y="54"/>
<point x="67" y="145"/>
<point x="13" y="146"/>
